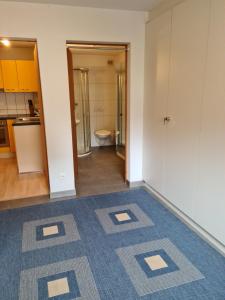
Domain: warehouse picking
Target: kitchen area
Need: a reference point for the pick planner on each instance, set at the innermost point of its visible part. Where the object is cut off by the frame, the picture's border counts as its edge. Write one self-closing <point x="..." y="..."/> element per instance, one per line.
<point x="23" y="162"/>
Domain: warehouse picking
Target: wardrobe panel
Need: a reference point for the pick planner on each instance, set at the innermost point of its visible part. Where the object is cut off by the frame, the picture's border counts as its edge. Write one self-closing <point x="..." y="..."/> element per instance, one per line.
<point x="190" y="21"/>
<point x="210" y="199"/>
<point x="158" y="35"/>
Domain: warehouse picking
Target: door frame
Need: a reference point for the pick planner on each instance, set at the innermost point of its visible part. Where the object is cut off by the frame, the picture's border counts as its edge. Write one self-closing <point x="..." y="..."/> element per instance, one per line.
<point x="69" y="45"/>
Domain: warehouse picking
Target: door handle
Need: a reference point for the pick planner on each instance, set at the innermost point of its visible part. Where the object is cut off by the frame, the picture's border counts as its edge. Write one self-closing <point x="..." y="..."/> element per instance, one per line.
<point x="166" y="119"/>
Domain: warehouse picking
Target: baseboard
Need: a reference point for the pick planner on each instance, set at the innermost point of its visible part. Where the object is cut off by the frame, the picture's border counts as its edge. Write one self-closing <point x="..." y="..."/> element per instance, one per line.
<point x="135" y="184"/>
<point x="120" y="155"/>
<point x="187" y="220"/>
<point x="57" y="196"/>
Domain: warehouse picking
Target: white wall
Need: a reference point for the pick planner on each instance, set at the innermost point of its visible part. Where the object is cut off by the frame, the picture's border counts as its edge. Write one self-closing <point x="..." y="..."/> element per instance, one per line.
<point x="52" y="26"/>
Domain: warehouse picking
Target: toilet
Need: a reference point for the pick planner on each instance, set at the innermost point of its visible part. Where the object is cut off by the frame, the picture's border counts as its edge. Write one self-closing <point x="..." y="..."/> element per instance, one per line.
<point x="102" y="136"/>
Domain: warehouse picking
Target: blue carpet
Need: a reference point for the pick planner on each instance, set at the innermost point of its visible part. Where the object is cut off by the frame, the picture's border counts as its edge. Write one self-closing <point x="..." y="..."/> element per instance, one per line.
<point x="117" y="246"/>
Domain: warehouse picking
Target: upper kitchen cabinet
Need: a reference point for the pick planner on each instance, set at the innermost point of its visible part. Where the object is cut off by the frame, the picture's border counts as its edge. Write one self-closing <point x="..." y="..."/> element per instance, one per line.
<point x="19" y="76"/>
<point x="27" y="77"/>
<point x="10" y="78"/>
<point x="1" y="78"/>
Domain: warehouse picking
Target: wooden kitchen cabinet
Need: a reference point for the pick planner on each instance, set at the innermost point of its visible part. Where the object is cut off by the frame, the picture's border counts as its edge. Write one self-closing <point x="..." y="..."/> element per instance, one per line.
<point x="18" y="76"/>
<point x="27" y="77"/>
<point x="11" y="136"/>
<point x="10" y="78"/>
<point x="1" y="78"/>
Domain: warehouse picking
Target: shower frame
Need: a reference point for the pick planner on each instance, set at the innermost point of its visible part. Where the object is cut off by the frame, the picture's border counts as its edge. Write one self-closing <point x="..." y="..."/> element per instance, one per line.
<point x="85" y="112"/>
<point x="93" y="45"/>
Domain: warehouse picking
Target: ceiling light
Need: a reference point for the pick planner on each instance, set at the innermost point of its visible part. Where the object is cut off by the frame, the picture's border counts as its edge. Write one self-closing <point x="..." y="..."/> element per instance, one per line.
<point x="5" y="42"/>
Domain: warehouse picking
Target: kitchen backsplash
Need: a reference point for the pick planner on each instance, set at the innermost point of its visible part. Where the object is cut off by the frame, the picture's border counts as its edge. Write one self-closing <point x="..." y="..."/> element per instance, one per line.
<point x="16" y="103"/>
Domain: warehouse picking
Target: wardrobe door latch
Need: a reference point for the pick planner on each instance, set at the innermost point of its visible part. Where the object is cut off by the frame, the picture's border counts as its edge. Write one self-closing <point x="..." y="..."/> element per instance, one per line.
<point x="166" y="119"/>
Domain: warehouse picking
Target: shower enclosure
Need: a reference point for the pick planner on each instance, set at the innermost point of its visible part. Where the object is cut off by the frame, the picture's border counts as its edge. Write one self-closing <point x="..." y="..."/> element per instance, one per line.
<point x="82" y="111"/>
<point x="121" y="120"/>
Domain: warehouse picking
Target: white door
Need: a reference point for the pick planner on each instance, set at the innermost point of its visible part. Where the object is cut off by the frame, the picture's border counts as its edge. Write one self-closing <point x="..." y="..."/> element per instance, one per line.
<point x="190" y="22"/>
<point x="158" y="35"/>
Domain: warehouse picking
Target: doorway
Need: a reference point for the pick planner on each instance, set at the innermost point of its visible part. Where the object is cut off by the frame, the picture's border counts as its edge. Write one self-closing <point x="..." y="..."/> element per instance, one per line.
<point x="23" y="154"/>
<point x="98" y="101"/>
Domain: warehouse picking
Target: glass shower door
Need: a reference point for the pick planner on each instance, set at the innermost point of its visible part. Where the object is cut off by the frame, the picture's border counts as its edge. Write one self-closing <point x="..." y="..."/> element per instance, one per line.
<point x="82" y="112"/>
<point x="121" y="118"/>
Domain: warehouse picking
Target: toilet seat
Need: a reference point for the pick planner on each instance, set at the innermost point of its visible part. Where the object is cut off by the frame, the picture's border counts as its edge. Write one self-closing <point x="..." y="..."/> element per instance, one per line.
<point x="102" y="133"/>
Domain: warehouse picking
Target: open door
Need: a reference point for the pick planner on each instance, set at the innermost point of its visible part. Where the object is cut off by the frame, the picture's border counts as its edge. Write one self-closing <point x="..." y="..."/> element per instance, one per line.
<point x="42" y="122"/>
<point x="72" y="108"/>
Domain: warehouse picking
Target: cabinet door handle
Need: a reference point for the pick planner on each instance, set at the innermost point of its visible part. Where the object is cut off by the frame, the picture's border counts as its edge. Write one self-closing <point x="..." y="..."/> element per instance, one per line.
<point x="166" y="119"/>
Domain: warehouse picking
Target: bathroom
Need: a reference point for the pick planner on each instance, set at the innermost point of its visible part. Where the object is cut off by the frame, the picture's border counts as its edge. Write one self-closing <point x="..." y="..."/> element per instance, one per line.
<point x="99" y="108"/>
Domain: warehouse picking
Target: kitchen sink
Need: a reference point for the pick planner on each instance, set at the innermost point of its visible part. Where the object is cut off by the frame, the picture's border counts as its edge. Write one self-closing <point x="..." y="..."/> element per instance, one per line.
<point x="28" y="119"/>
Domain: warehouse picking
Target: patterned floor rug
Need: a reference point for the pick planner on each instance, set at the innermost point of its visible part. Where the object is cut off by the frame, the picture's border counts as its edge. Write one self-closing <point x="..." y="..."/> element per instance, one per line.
<point x="116" y="246"/>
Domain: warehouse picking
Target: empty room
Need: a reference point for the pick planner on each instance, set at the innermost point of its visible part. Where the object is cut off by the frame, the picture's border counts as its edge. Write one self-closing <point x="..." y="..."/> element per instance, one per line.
<point x="112" y="150"/>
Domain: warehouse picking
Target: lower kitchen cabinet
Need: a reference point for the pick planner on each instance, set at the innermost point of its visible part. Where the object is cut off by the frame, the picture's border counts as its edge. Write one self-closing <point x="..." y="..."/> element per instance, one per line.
<point x="1" y="79"/>
<point x="12" y="146"/>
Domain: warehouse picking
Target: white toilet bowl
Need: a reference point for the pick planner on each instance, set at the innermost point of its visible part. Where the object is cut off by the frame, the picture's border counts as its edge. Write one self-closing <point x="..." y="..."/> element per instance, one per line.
<point x="102" y="136"/>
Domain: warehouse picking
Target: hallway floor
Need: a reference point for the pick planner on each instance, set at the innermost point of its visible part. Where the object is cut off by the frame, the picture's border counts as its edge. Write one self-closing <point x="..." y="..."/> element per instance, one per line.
<point x="101" y="172"/>
<point x="118" y="246"/>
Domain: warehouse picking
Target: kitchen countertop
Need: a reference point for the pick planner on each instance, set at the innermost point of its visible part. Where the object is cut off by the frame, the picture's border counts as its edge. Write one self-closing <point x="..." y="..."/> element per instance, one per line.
<point x="12" y="117"/>
<point x="26" y="123"/>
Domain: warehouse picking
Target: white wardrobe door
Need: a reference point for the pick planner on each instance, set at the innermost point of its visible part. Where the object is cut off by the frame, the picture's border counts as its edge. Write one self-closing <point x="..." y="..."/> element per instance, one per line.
<point x="210" y="199"/>
<point x="156" y="91"/>
<point x="190" y="22"/>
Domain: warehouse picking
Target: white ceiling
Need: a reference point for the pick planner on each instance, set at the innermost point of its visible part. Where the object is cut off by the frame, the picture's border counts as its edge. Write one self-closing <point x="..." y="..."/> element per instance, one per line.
<point x="141" y="5"/>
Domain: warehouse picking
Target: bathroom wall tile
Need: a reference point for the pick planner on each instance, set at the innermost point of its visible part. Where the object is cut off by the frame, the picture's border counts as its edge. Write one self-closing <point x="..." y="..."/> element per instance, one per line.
<point x="100" y="123"/>
<point x="105" y="76"/>
<point x="91" y="91"/>
<point x="102" y="91"/>
<point x="92" y="107"/>
<point x="92" y="77"/>
<point x="3" y="103"/>
<point x="110" y="91"/>
<point x="99" y="91"/>
<point x="99" y="77"/>
<point x="11" y="100"/>
<point x="93" y="123"/>
<point x="99" y="107"/>
<point x="109" y="122"/>
<point x="109" y="107"/>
